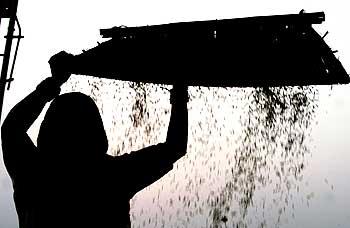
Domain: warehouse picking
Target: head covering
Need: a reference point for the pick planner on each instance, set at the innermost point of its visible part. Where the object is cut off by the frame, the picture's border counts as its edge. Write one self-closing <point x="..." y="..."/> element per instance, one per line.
<point x="73" y="125"/>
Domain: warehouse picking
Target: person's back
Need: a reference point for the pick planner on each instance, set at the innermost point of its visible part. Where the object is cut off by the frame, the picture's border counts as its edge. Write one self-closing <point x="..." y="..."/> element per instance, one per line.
<point x="88" y="197"/>
<point x="68" y="180"/>
<point x="61" y="201"/>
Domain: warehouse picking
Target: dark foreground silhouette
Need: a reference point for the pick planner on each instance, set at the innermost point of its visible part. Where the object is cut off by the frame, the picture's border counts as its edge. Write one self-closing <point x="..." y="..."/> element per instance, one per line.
<point x="68" y="180"/>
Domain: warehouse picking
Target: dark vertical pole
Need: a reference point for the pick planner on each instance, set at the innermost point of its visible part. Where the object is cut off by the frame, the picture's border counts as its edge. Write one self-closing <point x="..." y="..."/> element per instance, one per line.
<point x="6" y="58"/>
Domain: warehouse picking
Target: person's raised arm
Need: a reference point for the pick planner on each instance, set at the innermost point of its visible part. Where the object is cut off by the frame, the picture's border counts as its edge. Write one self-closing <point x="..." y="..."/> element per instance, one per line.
<point x="16" y="144"/>
<point x="176" y="140"/>
<point x="151" y="163"/>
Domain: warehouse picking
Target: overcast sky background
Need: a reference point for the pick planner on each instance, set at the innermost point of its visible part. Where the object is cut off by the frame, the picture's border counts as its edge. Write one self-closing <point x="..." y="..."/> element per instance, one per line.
<point x="73" y="25"/>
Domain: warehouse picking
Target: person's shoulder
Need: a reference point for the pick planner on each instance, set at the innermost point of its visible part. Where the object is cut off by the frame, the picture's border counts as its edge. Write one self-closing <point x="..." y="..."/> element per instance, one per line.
<point x="144" y="153"/>
<point x="115" y="163"/>
<point x="159" y="146"/>
<point x="114" y="158"/>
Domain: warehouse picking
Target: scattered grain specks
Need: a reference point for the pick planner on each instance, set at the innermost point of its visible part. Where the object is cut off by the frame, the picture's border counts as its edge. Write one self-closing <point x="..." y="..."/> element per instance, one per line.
<point x="247" y="150"/>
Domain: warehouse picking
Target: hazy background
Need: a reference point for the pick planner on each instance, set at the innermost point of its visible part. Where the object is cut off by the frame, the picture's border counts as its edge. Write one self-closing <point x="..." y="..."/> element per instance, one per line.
<point x="316" y="197"/>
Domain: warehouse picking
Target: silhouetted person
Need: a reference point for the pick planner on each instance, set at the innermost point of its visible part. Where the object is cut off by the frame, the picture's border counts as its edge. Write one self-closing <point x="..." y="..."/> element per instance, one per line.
<point x="68" y="180"/>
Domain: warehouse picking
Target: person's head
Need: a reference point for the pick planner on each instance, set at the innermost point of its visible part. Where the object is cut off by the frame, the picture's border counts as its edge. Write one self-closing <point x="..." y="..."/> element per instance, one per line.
<point x="73" y="125"/>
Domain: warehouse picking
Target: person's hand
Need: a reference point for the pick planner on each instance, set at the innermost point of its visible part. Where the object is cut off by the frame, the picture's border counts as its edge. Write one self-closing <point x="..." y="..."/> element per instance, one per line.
<point x="60" y="66"/>
<point x="179" y="94"/>
<point x="48" y="88"/>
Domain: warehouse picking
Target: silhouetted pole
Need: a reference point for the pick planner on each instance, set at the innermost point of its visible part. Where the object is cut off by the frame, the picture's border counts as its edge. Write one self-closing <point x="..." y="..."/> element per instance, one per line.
<point x="6" y="55"/>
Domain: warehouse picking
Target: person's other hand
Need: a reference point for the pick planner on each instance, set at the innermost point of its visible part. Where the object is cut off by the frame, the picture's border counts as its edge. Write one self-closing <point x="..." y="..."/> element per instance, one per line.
<point x="60" y="66"/>
<point x="179" y="94"/>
